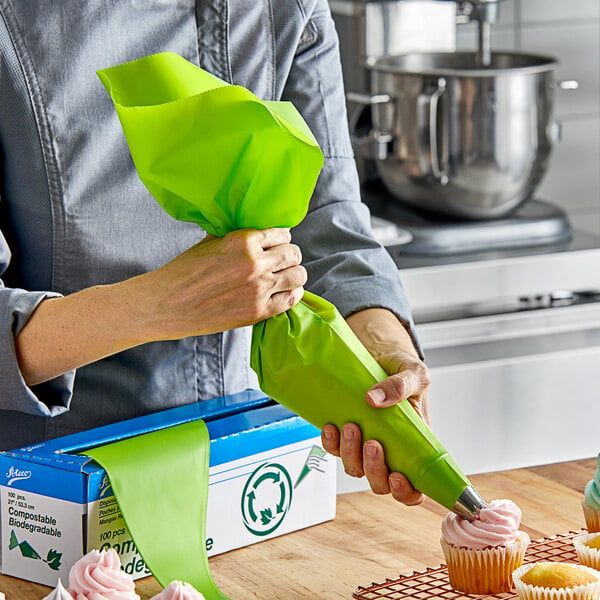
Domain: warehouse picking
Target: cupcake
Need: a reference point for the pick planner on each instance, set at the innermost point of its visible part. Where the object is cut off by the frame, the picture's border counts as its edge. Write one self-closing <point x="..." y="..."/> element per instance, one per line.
<point x="58" y="593"/>
<point x="587" y="548"/>
<point x="98" y="576"/>
<point x="556" y="581"/>
<point x="482" y="554"/>
<point x="178" y="590"/>
<point x="591" y="501"/>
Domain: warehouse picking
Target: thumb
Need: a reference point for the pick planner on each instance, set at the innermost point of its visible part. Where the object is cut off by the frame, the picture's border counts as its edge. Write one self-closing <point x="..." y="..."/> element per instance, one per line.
<point x="393" y="389"/>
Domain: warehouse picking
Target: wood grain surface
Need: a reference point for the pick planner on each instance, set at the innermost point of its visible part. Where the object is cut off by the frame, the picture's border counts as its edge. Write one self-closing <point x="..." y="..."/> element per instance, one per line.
<point x="373" y="538"/>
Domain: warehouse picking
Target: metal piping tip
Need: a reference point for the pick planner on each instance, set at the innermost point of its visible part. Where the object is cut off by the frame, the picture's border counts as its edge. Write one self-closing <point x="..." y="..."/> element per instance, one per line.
<point x="468" y="503"/>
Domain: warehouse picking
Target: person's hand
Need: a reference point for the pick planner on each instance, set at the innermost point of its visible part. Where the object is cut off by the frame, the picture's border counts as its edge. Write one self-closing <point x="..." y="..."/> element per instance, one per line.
<point x="223" y="283"/>
<point x="385" y="337"/>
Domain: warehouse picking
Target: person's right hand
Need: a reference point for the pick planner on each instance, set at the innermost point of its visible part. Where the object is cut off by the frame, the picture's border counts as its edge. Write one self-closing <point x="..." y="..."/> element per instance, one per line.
<point x="223" y="283"/>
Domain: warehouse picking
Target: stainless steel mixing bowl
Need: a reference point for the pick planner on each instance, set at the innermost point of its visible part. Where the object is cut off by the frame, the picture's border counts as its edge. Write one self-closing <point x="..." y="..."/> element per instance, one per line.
<point x="460" y="139"/>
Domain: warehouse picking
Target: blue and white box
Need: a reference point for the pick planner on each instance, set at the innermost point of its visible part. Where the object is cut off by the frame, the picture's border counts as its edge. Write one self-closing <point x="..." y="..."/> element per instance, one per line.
<point x="268" y="476"/>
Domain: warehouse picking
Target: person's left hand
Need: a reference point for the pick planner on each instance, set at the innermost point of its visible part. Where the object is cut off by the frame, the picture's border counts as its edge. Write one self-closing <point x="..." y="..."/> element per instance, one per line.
<point x="389" y="342"/>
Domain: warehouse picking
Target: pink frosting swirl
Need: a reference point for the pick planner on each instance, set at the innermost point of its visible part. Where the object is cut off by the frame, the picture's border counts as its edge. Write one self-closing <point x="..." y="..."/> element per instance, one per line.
<point x="98" y="576"/>
<point x="178" y="590"/>
<point x="495" y="525"/>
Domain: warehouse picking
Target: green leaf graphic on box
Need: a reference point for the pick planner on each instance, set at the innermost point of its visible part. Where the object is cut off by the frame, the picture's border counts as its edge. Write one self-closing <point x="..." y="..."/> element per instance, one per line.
<point x="26" y="549"/>
<point x="266" y="516"/>
<point x="53" y="559"/>
<point x="13" y="543"/>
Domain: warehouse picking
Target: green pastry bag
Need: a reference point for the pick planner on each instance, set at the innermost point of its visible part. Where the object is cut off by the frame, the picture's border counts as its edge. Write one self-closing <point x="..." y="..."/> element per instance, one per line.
<point x="214" y="154"/>
<point x="160" y="480"/>
<point x="322" y="372"/>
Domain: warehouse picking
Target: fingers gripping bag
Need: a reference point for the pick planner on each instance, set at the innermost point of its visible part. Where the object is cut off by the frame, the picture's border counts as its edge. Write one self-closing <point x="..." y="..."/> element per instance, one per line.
<point x="214" y="154"/>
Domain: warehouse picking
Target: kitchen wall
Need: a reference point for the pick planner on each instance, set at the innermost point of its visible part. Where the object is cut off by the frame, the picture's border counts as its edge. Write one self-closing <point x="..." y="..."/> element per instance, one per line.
<point x="569" y="31"/>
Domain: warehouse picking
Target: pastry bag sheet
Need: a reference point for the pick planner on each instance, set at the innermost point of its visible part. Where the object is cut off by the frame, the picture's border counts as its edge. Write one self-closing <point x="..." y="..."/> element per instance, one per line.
<point x="160" y="480"/>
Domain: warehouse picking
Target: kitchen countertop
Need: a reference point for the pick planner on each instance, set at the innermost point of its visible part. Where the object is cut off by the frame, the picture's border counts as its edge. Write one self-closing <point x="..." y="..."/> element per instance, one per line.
<point x="373" y="538"/>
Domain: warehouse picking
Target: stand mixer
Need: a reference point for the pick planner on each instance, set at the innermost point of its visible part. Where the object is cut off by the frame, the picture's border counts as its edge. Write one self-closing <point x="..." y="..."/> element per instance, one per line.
<point x="448" y="143"/>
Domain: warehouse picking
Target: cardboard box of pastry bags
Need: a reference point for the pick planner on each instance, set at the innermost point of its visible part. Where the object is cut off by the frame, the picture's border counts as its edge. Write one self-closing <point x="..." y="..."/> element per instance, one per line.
<point x="268" y="476"/>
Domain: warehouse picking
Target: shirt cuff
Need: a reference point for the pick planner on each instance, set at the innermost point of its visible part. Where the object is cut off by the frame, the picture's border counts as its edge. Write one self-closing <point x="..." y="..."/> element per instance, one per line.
<point x="50" y="398"/>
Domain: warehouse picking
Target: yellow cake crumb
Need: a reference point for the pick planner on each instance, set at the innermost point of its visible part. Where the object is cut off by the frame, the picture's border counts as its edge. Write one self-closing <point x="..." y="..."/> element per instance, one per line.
<point x="594" y="542"/>
<point x="557" y="575"/>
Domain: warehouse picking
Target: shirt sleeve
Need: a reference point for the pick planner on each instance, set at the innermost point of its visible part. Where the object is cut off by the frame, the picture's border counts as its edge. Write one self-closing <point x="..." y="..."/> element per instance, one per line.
<point x="345" y="264"/>
<point x="50" y="398"/>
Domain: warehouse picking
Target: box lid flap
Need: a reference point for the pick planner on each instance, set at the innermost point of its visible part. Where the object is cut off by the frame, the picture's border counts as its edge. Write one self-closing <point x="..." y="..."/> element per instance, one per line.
<point x="63" y="452"/>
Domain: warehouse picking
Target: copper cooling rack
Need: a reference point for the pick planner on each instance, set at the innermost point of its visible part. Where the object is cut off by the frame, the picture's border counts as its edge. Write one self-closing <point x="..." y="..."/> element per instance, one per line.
<point x="434" y="584"/>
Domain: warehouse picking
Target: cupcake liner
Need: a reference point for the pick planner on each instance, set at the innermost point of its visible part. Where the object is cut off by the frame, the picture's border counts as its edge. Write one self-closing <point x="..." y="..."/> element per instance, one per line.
<point x="486" y="571"/>
<point x="586" y="555"/>
<point x="592" y="517"/>
<point x="533" y="592"/>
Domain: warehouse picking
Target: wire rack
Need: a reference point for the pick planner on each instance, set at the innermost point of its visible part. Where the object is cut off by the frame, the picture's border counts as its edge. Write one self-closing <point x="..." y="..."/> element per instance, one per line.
<point x="433" y="583"/>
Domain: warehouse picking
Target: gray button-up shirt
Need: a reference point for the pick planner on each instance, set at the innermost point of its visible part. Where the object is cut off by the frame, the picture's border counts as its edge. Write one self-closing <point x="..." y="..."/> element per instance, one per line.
<point x="73" y="212"/>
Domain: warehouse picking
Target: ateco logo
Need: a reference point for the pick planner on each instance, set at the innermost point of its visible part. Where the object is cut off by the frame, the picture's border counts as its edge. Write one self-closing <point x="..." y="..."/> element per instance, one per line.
<point x="14" y="474"/>
<point x="104" y="486"/>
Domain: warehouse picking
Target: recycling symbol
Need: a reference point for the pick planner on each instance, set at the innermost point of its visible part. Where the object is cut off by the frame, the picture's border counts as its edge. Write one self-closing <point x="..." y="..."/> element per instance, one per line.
<point x="266" y="498"/>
